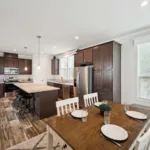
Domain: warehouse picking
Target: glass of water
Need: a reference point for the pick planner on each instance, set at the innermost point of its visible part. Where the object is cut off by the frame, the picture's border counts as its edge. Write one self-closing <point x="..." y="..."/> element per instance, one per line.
<point x="84" y="119"/>
<point x="107" y="117"/>
<point x="126" y="106"/>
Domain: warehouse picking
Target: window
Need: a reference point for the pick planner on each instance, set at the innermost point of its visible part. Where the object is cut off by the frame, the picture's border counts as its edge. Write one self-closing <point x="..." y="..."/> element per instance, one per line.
<point x="67" y="67"/>
<point x="144" y="71"/>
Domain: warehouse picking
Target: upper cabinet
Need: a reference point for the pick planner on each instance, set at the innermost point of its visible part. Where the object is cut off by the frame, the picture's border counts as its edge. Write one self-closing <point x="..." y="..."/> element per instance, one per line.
<point x="88" y="55"/>
<point x="79" y="59"/>
<point x="25" y="66"/>
<point x="55" y="66"/>
<point x="1" y="65"/>
<point x="84" y="57"/>
<point x="11" y="62"/>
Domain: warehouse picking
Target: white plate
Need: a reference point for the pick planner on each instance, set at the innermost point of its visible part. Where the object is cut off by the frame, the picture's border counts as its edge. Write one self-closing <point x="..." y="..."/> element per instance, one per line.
<point x="98" y="103"/>
<point x="114" y="132"/>
<point x="136" y="115"/>
<point x="79" y="113"/>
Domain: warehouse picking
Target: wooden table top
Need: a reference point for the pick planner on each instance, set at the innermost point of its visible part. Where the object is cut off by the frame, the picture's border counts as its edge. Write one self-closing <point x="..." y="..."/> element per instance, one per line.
<point x="34" y="87"/>
<point x="86" y="136"/>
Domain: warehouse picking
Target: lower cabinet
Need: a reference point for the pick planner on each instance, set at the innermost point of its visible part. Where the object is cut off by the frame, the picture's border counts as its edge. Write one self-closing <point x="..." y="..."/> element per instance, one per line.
<point x="55" y="140"/>
<point x="64" y="92"/>
<point x="1" y="90"/>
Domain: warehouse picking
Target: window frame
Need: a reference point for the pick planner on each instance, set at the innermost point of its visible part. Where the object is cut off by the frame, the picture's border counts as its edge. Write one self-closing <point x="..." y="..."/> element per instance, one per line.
<point x="138" y="77"/>
<point x="68" y="76"/>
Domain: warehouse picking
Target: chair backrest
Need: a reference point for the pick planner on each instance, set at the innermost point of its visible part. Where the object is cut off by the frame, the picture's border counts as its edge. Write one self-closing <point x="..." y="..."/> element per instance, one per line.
<point x="90" y="99"/>
<point x="66" y="106"/>
<point x="143" y="143"/>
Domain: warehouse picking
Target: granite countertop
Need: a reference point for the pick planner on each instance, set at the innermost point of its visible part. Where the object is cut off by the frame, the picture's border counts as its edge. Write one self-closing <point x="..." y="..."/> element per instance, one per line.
<point x="25" y="81"/>
<point x="60" y="82"/>
<point x="34" y="87"/>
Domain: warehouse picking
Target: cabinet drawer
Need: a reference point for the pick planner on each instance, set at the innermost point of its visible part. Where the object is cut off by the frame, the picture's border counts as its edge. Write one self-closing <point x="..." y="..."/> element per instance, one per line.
<point x="57" y="139"/>
<point x="105" y="95"/>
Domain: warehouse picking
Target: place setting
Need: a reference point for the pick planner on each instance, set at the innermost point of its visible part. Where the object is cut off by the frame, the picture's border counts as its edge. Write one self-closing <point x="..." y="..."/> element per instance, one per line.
<point x="80" y="114"/>
<point x="111" y="132"/>
<point x="135" y="115"/>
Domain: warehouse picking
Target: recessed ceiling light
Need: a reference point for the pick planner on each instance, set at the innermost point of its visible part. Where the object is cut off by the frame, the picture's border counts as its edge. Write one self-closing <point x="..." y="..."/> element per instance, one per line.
<point x="144" y="3"/>
<point x="54" y="46"/>
<point x="77" y="38"/>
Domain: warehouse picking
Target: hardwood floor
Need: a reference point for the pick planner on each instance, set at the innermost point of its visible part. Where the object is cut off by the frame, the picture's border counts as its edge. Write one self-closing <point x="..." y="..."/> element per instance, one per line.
<point x="14" y="130"/>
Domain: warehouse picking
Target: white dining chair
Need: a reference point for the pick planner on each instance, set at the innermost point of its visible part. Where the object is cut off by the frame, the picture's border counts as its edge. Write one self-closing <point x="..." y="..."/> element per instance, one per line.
<point x="143" y="143"/>
<point x="90" y="99"/>
<point x="66" y="106"/>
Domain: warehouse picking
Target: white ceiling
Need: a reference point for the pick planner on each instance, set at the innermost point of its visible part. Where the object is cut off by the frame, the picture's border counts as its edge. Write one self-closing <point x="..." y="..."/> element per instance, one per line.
<point x="59" y="21"/>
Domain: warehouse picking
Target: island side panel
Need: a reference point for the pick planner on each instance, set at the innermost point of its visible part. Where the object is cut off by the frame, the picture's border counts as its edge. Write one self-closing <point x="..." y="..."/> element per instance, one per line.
<point x="45" y="103"/>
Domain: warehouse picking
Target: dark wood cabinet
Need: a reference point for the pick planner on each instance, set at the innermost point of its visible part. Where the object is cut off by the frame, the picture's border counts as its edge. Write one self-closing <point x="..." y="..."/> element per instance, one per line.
<point x="79" y="59"/>
<point x="11" y="62"/>
<point x="55" y="66"/>
<point x="1" y="65"/>
<point x="29" y="65"/>
<point x="88" y="55"/>
<point x="107" y="71"/>
<point x="10" y="55"/>
<point x="25" y="63"/>
<point x="1" y="90"/>
<point x="84" y="57"/>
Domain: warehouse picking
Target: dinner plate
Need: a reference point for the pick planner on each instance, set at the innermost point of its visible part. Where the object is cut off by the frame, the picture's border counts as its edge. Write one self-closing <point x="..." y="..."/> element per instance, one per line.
<point x="136" y="115"/>
<point x="98" y="103"/>
<point x="114" y="132"/>
<point x="79" y="113"/>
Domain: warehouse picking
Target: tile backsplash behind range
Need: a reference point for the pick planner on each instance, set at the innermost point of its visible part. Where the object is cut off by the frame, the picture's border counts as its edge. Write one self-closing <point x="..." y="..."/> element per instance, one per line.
<point x="22" y="77"/>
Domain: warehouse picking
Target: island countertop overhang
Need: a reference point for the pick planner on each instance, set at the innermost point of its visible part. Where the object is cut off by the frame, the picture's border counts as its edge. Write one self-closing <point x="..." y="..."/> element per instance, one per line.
<point x="35" y="87"/>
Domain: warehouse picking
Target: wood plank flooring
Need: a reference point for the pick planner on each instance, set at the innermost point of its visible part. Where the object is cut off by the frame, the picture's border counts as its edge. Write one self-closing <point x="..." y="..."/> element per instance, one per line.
<point x="14" y="130"/>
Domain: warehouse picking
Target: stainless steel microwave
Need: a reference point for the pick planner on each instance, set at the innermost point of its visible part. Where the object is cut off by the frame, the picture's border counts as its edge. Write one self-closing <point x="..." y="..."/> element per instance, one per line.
<point x="8" y="70"/>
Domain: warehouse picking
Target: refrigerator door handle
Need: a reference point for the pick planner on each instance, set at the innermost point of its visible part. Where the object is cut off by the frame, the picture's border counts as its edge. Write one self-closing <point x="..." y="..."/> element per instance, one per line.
<point x="78" y="79"/>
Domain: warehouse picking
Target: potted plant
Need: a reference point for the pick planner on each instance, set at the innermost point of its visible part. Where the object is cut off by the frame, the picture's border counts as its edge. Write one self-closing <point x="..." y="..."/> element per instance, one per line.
<point x="103" y="108"/>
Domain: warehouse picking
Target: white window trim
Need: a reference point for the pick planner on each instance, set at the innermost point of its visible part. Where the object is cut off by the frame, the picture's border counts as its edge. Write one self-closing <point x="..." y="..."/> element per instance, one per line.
<point x="137" y="42"/>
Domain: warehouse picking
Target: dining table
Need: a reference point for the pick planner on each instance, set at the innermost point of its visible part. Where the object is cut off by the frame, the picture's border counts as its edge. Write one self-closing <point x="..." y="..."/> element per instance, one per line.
<point x="78" y="135"/>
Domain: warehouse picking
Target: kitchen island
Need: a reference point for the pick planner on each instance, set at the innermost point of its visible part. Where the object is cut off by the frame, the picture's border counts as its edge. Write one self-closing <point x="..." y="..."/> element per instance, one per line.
<point x="43" y="98"/>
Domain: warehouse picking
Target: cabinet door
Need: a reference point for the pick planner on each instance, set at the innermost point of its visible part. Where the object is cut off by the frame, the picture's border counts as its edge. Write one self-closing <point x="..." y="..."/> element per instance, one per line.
<point x="29" y="65"/>
<point x="105" y="95"/>
<point x="79" y="58"/>
<point x="22" y="66"/>
<point x="103" y="56"/>
<point x="106" y="52"/>
<point x="15" y="63"/>
<point x="1" y="90"/>
<point x="97" y="58"/>
<point x="103" y="80"/>
<point x="1" y="65"/>
<point x="8" y="62"/>
<point x="88" y="56"/>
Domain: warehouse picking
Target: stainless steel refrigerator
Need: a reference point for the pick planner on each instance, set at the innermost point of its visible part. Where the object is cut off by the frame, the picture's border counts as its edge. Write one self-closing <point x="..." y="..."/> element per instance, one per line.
<point x="83" y="81"/>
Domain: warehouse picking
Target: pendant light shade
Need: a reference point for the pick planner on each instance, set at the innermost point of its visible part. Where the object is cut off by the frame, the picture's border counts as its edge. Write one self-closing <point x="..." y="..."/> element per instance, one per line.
<point x="38" y="66"/>
<point x="25" y="68"/>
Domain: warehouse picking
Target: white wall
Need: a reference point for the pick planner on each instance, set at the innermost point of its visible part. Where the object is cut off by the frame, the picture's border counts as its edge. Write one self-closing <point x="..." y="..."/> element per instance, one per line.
<point x="129" y="68"/>
<point x="41" y="76"/>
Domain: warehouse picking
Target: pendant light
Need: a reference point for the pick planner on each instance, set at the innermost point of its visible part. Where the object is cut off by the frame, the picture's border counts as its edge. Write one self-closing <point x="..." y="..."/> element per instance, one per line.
<point x="25" y="68"/>
<point x="38" y="67"/>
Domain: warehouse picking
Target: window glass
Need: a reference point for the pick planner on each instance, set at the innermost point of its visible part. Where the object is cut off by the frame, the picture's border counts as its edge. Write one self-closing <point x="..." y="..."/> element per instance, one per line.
<point x="144" y="71"/>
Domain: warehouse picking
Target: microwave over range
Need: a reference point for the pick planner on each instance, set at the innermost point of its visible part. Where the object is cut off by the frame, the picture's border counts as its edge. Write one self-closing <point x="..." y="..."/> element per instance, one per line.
<point x="8" y="70"/>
